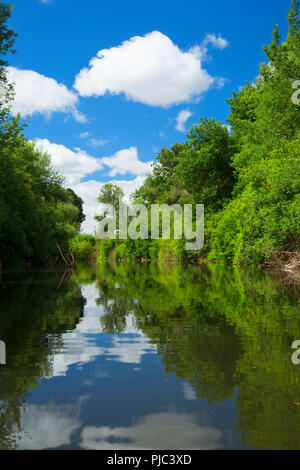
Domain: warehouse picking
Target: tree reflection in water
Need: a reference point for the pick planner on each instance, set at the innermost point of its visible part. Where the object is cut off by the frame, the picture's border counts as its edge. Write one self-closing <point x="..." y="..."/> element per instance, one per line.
<point x="227" y="333"/>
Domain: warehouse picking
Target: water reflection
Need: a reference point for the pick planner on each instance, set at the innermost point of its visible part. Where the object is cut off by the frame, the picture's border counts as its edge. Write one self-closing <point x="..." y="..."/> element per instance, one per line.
<point x="50" y="425"/>
<point x="155" y="431"/>
<point x="142" y="356"/>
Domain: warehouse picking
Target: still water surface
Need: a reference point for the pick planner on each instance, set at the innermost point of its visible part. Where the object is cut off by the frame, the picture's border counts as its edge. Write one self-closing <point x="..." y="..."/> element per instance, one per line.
<point x="134" y="356"/>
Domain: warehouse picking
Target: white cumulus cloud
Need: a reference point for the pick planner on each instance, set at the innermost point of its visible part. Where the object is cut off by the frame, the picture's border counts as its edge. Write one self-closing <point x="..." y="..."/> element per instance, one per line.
<point x="216" y="41"/>
<point x="181" y="119"/>
<point x="74" y="165"/>
<point x="126" y="161"/>
<point x="36" y="93"/>
<point x="150" y="69"/>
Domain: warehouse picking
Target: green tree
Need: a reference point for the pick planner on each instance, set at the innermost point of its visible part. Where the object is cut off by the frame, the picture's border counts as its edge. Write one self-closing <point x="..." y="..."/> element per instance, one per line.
<point x="36" y="211"/>
<point x="204" y="167"/>
<point x="77" y="202"/>
<point x="110" y="194"/>
<point x="7" y="39"/>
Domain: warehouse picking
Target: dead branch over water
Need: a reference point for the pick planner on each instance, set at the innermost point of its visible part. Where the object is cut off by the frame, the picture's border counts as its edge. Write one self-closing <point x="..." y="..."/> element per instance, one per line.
<point x="68" y="258"/>
<point x="286" y="265"/>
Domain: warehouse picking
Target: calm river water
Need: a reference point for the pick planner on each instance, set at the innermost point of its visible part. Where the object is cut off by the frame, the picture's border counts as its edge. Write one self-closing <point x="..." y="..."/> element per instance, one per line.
<point x="133" y="356"/>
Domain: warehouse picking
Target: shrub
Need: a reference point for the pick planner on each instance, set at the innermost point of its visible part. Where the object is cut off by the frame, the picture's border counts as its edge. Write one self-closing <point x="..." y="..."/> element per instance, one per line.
<point x="83" y="246"/>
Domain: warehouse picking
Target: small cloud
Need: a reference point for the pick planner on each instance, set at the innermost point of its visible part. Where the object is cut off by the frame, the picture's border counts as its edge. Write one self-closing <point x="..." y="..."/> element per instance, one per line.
<point x="84" y="135"/>
<point x="181" y="119"/>
<point x="216" y="41"/>
<point x="98" y="142"/>
<point x="126" y="161"/>
<point x="79" y="117"/>
<point x="221" y="82"/>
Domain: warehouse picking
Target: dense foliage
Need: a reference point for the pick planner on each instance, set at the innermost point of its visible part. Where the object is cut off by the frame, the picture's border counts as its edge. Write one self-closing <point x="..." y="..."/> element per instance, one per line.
<point x="36" y="211"/>
<point x="83" y="247"/>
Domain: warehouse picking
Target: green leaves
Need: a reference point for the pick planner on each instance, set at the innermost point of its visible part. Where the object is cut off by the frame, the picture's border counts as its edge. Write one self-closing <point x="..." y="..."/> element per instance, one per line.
<point x="110" y="194"/>
<point x="7" y="35"/>
<point x="36" y="212"/>
<point x="197" y="171"/>
<point x="204" y="167"/>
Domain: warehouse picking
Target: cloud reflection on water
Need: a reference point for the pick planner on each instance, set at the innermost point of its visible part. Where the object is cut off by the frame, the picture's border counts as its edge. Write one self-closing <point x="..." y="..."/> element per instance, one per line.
<point x="168" y="430"/>
<point x="81" y="345"/>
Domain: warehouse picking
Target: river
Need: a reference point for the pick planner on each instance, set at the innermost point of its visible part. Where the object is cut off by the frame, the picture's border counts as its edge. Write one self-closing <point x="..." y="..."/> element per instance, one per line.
<point x="142" y="356"/>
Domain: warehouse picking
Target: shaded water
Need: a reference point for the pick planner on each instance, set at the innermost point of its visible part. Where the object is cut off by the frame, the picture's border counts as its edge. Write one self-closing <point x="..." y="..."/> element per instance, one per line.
<point x="140" y="356"/>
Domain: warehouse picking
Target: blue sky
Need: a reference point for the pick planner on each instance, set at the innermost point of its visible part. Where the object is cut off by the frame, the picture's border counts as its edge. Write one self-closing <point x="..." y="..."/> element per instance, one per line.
<point x="163" y="65"/>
